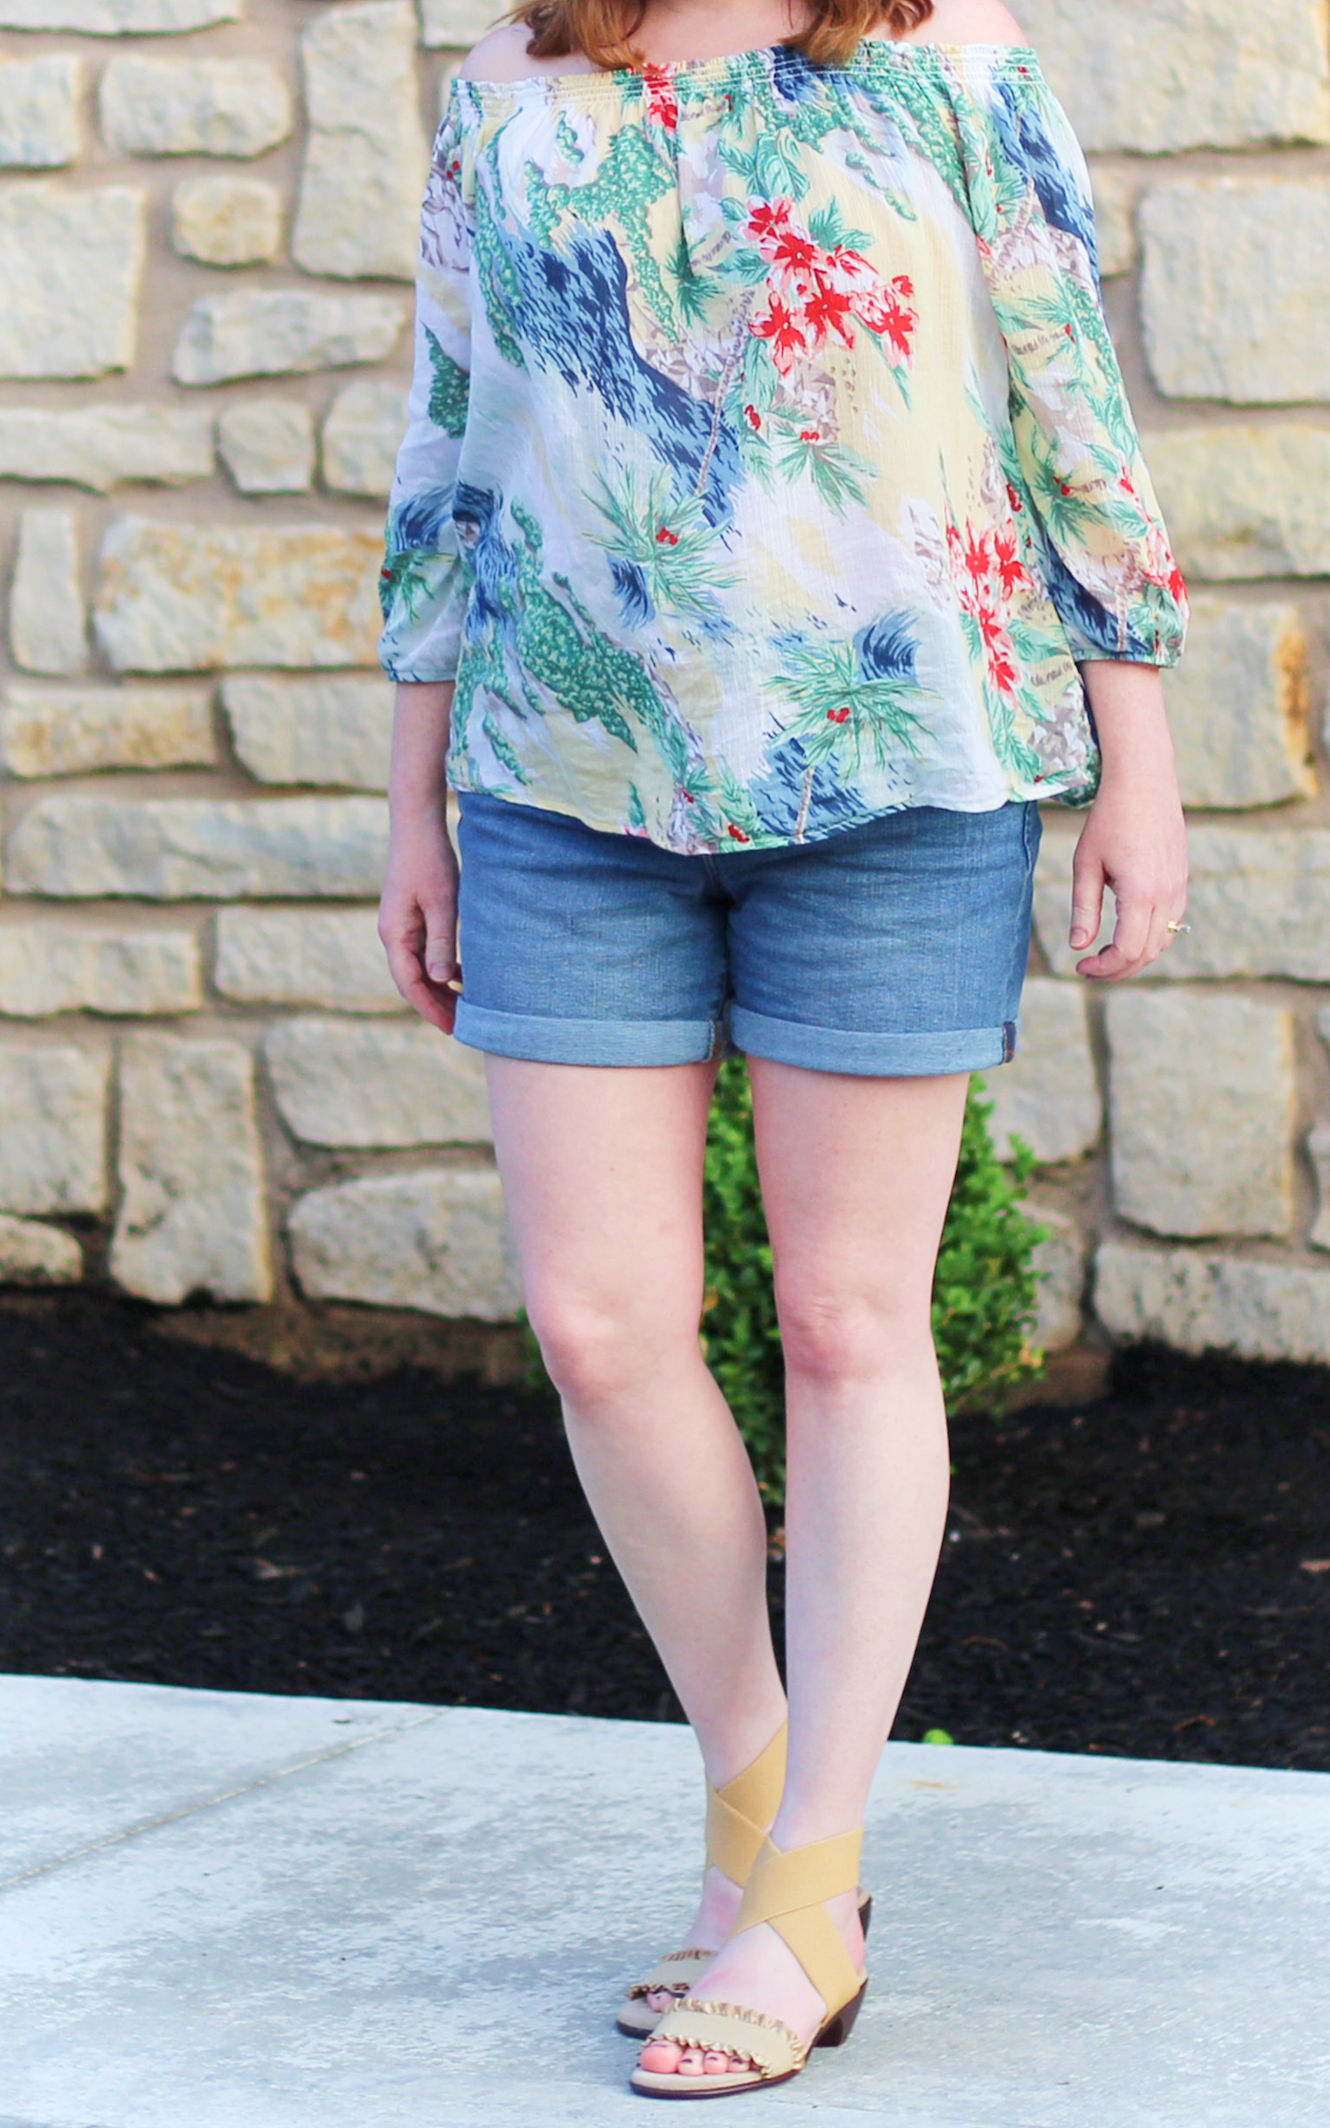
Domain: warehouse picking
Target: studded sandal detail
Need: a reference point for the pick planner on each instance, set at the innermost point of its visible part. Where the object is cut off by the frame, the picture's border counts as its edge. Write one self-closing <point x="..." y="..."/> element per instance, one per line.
<point x="786" y="1888"/>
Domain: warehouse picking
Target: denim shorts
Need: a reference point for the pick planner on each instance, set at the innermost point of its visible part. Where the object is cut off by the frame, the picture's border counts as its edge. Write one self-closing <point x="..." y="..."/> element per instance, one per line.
<point x="892" y="949"/>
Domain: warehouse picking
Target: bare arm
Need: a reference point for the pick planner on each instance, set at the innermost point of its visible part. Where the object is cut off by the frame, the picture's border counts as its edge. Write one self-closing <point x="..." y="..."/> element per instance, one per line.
<point x="418" y="906"/>
<point x="1135" y="839"/>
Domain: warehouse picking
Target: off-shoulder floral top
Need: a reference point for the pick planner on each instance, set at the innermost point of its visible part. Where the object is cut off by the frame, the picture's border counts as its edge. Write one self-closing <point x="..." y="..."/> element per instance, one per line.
<point x="769" y="467"/>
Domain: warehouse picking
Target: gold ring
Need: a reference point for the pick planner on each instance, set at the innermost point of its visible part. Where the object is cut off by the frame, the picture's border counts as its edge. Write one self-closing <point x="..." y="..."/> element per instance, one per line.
<point x="1177" y="927"/>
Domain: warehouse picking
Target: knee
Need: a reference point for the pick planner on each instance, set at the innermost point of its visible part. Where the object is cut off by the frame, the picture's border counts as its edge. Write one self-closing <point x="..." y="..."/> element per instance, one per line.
<point x="595" y="1355"/>
<point x="837" y="1340"/>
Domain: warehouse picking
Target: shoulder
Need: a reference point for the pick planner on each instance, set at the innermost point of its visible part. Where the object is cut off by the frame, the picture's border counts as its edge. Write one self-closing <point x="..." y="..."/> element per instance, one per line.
<point x="501" y="55"/>
<point x="969" y="22"/>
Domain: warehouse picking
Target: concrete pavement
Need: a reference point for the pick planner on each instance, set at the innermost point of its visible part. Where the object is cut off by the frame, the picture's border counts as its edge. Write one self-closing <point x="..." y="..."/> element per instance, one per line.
<point x="231" y="1911"/>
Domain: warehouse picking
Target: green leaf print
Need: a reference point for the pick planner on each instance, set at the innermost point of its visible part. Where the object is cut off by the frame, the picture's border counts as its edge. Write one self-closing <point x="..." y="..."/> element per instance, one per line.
<point x="448" y="389"/>
<point x="666" y="538"/>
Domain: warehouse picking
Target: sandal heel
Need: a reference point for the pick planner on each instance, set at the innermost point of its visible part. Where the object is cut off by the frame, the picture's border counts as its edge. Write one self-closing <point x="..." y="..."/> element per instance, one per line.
<point x="842" y="2024"/>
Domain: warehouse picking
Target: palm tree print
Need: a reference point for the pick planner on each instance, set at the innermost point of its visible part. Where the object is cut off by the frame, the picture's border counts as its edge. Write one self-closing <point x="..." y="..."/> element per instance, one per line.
<point x="852" y="702"/>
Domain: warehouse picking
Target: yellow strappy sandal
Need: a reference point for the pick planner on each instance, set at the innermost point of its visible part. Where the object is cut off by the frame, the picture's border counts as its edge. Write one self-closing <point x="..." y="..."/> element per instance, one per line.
<point x="737" y="1819"/>
<point x="786" y="1888"/>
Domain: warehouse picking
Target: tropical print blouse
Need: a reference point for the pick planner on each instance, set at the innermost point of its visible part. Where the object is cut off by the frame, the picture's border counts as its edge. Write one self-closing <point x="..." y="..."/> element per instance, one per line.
<point x="769" y="467"/>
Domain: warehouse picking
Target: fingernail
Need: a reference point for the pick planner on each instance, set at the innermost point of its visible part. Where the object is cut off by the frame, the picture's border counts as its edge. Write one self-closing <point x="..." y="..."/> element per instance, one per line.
<point x="437" y="971"/>
<point x="1080" y="936"/>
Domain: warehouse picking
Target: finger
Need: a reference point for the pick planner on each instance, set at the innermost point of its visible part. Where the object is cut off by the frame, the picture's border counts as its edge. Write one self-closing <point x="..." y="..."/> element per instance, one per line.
<point x="1087" y="900"/>
<point x="433" y="1001"/>
<point x="1122" y="956"/>
<point x="440" y="945"/>
<point x="1158" y="940"/>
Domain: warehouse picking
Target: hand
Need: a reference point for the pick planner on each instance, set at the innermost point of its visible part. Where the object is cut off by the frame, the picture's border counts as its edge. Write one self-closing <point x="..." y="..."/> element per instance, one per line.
<point x="1134" y="841"/>
<point x="418" y="919"/>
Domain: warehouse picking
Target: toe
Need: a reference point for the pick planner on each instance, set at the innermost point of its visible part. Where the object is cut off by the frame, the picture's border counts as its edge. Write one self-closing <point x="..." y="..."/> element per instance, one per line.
<point x="660" y="2057"/>
<point x="718" y="2063"/>
<point x="692" y="2062"/>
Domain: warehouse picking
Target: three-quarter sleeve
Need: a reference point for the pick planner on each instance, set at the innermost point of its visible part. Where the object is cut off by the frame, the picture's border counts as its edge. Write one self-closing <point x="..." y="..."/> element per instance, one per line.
<point x="424" y="583"/>
<point x="1111" y="573"/>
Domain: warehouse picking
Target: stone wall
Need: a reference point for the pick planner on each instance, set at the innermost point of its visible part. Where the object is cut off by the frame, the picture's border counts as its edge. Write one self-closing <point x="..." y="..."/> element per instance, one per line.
<point x="207" y="1084"/>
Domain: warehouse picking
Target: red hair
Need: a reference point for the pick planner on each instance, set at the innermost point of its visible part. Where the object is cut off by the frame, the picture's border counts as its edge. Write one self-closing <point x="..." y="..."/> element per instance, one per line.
<point x="603" y="29"/>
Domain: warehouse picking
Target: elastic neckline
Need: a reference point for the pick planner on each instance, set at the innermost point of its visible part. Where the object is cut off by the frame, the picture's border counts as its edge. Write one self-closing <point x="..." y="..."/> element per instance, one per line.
<point x="726" y="65"/>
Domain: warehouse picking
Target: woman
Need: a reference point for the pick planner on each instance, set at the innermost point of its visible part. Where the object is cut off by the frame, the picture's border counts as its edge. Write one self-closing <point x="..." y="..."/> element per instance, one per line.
<point x="771" y="497"/>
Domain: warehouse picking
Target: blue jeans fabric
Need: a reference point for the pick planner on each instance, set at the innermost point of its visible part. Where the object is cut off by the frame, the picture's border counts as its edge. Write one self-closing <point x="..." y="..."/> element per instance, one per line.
<point x="894" y="949"/>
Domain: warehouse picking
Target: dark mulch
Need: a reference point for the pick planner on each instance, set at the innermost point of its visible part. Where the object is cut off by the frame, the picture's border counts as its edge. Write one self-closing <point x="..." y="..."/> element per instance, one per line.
<point x="1145" y="1574"/>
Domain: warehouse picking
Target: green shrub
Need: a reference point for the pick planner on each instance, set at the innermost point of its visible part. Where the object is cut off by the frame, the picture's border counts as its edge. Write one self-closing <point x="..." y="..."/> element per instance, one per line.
<point x="983" y="1293"/>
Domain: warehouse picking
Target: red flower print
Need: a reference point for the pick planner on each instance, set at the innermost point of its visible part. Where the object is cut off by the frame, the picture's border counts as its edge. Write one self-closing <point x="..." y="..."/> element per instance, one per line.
<point x="1009" y="569"/>
<point x="737" y="834"/>
<point x="784" y="328"/>
<point x="809" y="436"/>
<point x="839" y="716"/>
<point x="1001" y="655"/>
<point x="826" y="310"/>
<point x="815" y="293"/>
<point x="662" y="103"/>
<point x="767" y="219"/>
<point x="752" y="417"/>
<point x="666" y="538"/>
<point x="1013" y="498"/>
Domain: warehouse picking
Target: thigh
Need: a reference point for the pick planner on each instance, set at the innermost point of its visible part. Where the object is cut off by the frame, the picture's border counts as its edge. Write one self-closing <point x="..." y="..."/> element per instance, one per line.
<point x="602" y="1178"/>
<point x="856" y="1175"/>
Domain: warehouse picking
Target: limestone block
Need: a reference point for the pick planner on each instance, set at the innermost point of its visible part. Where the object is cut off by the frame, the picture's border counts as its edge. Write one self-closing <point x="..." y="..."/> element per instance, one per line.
<point x="1060" y="1261"/>
<point x="47" y="622"/>
<point x="118" y="18"/>
<point x="226" y="221"/>
<point x="328" y="957"/>
<point x="1200" y="1301"/>
<point x="366" y="154"/>
<point x="1259" y="905"/>
<point x="1238" y="704"/>
<point x="193" y="106"/>
<point x="96" y="446"/>
<point x="375" y="1083"/>
<point x="35" y="1255"/>
<point x="39" y="127"/>
<point x="361" y="434"/>
<point x="271" y="332"/>
<point x="1048" y="1095"/>
<point x="1236" y="286"/>
<point x="435" y="1240"/>
<point x="268" y="445"/>
<point x="1318" y="1149"/>
<point x="189" y="597"/>
<point x="192" y="1214"/>
<point x="1114" y="211"/>
<point x="1185" y="73"/>
<point x="53" y="1145"/>
<point x="334" y="731"/>
<point x="215" y="849"/>
<point x="1245" y="501"/>
<point x="70" y="265"/>
<point x="1201" y="1112"/>
<point x="47" y="967"/>
<point x="456" y="23"/>
<point x="66" y="731"/>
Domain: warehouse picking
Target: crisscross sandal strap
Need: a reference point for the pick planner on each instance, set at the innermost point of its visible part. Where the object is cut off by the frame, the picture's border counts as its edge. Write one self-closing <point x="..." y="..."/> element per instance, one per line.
<point x="786" y="1889"/>
<point x="739" y="1813"/>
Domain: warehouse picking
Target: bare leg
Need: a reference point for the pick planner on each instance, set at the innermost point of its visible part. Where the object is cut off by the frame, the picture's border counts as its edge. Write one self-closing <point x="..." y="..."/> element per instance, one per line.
<point x="856" y="1173"/>
<point x="602" y="1170"/>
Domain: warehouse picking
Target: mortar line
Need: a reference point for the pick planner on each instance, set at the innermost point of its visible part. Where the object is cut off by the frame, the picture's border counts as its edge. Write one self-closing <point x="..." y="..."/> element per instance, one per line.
<point x="228" y="1795"/>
